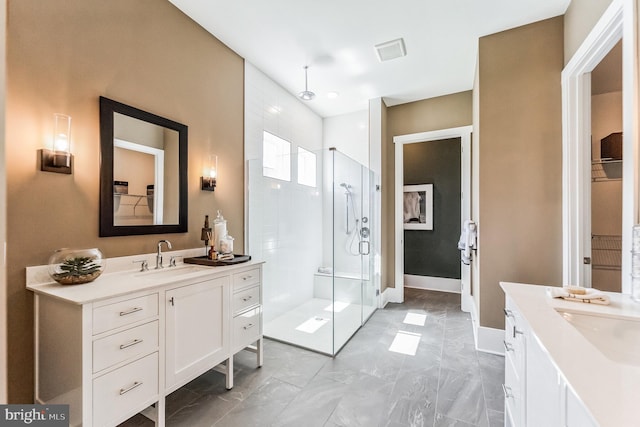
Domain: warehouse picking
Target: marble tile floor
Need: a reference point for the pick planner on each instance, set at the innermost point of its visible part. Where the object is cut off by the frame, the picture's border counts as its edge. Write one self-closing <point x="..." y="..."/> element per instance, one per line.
<point x="347" y="321"/>
<point x="447" y="383"/>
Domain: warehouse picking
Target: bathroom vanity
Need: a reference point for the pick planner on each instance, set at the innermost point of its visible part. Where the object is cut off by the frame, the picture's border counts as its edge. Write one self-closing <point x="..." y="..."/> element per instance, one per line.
<point x="113" y="347"/>
<point x="570" y="364"/>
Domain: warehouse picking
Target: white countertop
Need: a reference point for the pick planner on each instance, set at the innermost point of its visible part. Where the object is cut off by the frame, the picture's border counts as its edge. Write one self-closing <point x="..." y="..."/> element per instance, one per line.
<point x="609" y="390"/>
<point x="120" y="278"/>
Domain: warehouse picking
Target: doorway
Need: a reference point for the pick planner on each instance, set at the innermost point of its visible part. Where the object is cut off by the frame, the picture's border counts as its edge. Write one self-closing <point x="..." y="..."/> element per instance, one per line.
<point x="616" y="21"/>
<point x="605" y="246"/>
<point x="462" y="136"/>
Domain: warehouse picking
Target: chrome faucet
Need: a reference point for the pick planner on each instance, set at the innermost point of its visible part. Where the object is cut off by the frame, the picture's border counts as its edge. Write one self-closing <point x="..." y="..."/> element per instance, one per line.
<point x="159" y="254"/>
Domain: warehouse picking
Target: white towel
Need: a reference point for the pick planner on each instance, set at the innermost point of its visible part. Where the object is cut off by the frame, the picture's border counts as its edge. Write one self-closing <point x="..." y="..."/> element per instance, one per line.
<point x="467" y="241"/>
<point x="591" y="296"/>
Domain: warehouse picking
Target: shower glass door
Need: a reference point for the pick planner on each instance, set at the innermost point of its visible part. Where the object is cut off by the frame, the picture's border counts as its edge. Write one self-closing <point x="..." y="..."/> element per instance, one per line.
<point x="354" y="298"/>
<point x="308" y="218"/>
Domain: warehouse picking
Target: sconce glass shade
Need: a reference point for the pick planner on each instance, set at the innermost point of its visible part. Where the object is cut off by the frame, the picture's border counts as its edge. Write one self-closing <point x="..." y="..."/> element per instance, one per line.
<point x="58" y="158"/>
<point x="209" y="177"/>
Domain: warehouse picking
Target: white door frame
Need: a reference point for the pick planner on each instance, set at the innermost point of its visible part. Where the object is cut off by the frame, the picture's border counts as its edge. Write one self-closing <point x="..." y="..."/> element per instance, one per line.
<point x="464" y="133"/>
<point x="617" y="22"/>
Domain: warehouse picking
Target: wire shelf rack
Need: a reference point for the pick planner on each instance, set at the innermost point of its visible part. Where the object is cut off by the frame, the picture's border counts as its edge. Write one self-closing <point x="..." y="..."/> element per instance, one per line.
<point x="606" y="251"/>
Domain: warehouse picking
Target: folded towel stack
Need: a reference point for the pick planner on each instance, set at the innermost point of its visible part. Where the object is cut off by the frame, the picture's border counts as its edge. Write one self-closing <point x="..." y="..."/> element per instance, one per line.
<point x="576" y="293"/>
<point x="225" y="257"/>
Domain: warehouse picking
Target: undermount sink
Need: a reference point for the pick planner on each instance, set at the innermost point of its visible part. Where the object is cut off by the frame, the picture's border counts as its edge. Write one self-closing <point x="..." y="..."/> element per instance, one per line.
<point x="171" y="271"/>
<point x="616" y="338"/>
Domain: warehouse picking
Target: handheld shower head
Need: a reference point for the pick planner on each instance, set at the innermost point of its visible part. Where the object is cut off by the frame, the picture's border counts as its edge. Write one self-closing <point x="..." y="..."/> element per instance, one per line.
<point x="347" y="188"/>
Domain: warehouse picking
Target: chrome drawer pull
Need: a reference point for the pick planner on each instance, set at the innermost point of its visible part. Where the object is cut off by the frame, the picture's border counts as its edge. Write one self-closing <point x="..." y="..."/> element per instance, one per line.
<point x="128" y="389"/>
<point x="247" y="277"/>
<point x="507" y="312"/>
<point x="249" y="326"/>
<point x="133" y="310"/>
<point x="245" y="299"/>
<point x="508" y="346"/>
<point x="508" y="393"/>
<point x="517" y="332"/>
<point x="127" y="345"/>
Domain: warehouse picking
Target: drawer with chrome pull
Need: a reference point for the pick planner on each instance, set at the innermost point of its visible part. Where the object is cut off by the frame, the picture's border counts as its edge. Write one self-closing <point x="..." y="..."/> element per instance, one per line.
<point x="125" y="345"/>
<point x="123" y="313"/>
<point x="245" y="299"/>
<point x="125" y="389"/>
<point x="246" y="278"/>
<point x="246" y="327"/>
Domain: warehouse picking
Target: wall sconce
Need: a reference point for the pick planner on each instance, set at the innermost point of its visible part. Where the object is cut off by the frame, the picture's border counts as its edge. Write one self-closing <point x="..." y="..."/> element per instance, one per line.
<point x="209" y="177"/>
<point x="59" y="158"/>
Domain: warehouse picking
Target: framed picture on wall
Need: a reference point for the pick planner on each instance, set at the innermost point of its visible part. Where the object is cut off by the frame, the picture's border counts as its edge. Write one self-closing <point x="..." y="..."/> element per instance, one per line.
<point x="417" y="207"/>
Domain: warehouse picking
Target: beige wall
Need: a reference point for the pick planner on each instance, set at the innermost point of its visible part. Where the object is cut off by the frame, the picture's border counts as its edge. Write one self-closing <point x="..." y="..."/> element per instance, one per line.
<point x="579" y="19"/>
<point x="386" y="222"/>
<point x="61" y="56"/>
<point x="520" y="161"/>
<point x="3" y="212"/>
<point x="421" y="116"/>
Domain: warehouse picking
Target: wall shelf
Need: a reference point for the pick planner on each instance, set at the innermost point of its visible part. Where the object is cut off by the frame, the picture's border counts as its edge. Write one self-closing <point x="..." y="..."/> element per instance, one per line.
<point x="134" y="200"/>
<point x="606" y="252"/>
<point x="606" y="170"/>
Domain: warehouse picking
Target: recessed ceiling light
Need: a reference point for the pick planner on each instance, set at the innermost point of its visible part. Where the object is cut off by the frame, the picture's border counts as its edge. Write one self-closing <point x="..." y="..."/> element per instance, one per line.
<point x="332" y="95"/>
<point x="391" y="50"/>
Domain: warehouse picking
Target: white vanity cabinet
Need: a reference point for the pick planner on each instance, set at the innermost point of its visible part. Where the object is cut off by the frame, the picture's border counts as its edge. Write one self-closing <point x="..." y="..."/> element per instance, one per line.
<point x="112" y="348"/>
<point x="197" y="329"/>
<point x="514" y="351"/>
<point x="536" y="393"/>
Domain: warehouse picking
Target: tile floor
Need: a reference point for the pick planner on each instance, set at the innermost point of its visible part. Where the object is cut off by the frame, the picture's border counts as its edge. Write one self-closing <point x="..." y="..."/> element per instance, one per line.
<point x="446" y="383"/>
<point x="284" y="327"/>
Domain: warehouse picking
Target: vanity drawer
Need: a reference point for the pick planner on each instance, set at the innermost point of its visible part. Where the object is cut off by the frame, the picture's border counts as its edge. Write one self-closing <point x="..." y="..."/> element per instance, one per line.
<point x="125" y="345"/>
<point x="246" y="278"/>
<point x="245" y="299"/>
<point x="246" y="327"/>
<point x="123" y="313"/>
<point x="513" y="398"/>
<point x="124" y="390"/>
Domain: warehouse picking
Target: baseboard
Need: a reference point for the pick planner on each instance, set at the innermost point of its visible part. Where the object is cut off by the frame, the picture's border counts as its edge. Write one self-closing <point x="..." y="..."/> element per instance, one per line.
<point x="490" y="340"/>
<point x="433" y="283"/>
<point x="391" y="295"/>
<point x="487" y="340"/>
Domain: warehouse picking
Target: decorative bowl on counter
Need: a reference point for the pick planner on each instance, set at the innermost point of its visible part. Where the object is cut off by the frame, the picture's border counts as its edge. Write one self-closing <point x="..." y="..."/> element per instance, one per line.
<point x="76" y="266"/>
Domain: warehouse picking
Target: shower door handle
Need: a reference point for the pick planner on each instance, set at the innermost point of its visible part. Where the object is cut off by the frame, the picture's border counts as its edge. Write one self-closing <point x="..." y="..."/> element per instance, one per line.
<point x="364" y="247"/>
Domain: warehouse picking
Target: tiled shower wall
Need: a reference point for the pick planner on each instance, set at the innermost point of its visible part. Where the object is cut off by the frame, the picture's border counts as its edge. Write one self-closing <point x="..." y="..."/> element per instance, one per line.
<point x="284" y="218"/>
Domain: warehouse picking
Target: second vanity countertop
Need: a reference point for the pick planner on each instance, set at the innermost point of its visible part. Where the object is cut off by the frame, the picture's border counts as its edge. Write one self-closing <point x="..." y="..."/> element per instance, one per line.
<point x="120" y="279"/>
<point x="610" y="390"/>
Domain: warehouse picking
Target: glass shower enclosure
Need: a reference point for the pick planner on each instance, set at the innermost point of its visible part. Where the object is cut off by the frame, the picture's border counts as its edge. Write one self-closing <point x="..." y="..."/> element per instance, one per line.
<point x="309" y="219"/>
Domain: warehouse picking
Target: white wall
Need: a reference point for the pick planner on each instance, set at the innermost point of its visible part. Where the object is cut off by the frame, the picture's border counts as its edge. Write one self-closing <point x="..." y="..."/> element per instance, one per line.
<point x="284" y="219"/>
<point x="341" y="248"/>
<point x="349" y="134"/>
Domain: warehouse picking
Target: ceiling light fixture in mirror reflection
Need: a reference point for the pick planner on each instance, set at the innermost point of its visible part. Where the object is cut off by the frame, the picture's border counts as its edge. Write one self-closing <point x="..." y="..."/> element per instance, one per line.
<point x="143" y="172"/>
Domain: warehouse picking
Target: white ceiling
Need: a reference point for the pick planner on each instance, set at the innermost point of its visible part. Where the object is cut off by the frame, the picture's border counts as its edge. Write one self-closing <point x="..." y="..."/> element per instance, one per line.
<point x="336" y="38"/>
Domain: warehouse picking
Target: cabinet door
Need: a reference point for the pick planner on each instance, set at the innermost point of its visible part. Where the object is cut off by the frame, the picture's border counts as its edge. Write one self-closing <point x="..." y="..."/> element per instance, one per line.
<point x="197" y="330"/>
<point x="577" y="414"/>
<point x="543" y="390"/>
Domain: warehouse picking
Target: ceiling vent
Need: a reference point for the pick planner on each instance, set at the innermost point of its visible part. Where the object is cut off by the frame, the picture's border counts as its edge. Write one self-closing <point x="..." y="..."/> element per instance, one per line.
<point x="391" y="50"/>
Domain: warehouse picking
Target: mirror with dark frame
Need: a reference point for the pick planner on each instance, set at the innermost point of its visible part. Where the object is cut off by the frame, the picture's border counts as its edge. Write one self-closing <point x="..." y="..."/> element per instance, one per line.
<point x="143" y="172"/>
